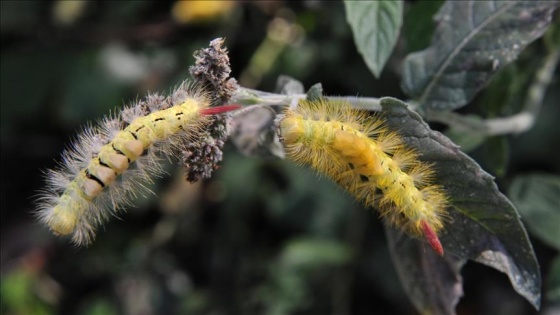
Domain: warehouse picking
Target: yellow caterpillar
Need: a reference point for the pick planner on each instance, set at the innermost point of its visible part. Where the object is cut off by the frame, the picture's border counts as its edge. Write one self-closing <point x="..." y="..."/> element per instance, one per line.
<point x="370" y="161"/>
<point x="113" y="161"/>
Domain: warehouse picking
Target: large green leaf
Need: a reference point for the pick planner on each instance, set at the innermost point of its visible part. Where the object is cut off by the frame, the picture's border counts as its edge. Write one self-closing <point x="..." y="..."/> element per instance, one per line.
<point x="483" y="224"/>
<point x="538" y="199"/>
<point x="376" y="26"/>
<point x="473" y="39"/>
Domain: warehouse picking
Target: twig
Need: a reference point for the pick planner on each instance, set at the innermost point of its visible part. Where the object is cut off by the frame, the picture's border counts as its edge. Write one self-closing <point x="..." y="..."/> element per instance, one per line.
<point x="515" y="124"/>
<point x="246" y="96"/>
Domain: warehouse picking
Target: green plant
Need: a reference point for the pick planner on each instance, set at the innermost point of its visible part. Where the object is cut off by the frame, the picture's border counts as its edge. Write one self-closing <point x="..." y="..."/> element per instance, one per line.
<point x="446" y="76"/>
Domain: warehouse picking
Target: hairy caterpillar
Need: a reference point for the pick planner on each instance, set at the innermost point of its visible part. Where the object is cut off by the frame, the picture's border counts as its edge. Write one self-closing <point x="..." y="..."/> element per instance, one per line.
<point x="111" y="162"/>
<point x="370" y="161"/>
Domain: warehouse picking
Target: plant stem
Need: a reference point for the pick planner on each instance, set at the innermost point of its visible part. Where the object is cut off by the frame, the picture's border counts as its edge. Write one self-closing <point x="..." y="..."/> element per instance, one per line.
<point x="515" y="124"/>
<point x="246" y="97"/>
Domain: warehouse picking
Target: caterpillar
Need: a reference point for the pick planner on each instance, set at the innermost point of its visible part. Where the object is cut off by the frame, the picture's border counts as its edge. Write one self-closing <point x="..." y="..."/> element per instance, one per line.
<point x="371" y="162"/>
<point x="111" y="162"/>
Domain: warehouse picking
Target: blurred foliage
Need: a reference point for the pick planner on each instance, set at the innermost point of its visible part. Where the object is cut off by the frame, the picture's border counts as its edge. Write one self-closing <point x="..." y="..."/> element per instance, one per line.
<point x="18" y="296"/>
<point x="263" y="236"/>
<point x="536" y="197"/>
<point x="553" y="283"/>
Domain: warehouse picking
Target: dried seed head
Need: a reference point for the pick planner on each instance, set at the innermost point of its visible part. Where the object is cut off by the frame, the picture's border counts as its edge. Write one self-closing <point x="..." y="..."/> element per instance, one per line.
<point x="212" y="68"/>
<point x="201" y="158"/>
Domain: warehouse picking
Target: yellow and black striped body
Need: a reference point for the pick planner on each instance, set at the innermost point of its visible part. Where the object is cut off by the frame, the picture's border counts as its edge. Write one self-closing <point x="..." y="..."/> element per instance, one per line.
<point x="115" y="157"/>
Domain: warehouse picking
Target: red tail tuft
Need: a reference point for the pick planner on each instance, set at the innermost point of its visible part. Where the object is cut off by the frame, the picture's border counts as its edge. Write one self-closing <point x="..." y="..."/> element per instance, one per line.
<point x="219" y="109"/>
<point x="432" y="237"/>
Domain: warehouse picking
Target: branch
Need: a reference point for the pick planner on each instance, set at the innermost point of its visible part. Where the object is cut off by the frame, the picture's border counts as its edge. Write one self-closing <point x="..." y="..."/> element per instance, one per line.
<point x="246" y="97"/>
<point x="515" y="124"/>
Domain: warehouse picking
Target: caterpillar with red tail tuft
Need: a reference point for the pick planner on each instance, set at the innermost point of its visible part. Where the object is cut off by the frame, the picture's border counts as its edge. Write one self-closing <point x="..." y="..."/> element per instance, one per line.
<point x="360" y="152"/>
<point x="110" y="163"/>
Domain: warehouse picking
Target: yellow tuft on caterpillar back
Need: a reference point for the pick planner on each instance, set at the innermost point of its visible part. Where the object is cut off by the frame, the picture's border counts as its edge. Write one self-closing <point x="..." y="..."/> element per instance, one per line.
<point x="370" y="161"/>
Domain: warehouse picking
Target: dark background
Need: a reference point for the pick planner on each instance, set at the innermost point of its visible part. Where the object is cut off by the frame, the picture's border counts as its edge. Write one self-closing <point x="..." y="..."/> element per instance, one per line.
<point x="260" y="237"/>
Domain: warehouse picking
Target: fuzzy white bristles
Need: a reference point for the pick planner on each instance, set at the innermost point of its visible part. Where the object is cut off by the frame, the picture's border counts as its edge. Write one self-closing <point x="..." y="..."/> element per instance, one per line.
<point x="76" y="199"/>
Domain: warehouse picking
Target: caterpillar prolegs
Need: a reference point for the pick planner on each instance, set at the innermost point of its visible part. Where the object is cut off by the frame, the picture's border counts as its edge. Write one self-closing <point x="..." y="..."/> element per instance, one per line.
<point x="371" y="162"/>
<point x="113" y="161"/>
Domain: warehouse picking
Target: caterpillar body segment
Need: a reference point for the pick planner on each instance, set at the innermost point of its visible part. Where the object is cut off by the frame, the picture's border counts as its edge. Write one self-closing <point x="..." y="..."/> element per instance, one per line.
<point x="112" y="162"/>
<point x="370" y="161"/>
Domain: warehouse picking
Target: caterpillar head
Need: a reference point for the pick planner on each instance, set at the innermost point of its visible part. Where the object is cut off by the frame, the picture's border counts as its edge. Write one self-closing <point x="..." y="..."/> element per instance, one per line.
<point x="62" y="221"/>
<point x="290" y="129"/>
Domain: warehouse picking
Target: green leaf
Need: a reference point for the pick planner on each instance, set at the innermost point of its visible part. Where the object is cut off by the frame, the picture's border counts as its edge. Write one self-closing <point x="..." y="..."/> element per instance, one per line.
<point x="315" y="92"/>
<point x="375" y="25"/>
<point x="537" y="198"/>
<point x="483" y="224"/>
<point x="473" y="39"/>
